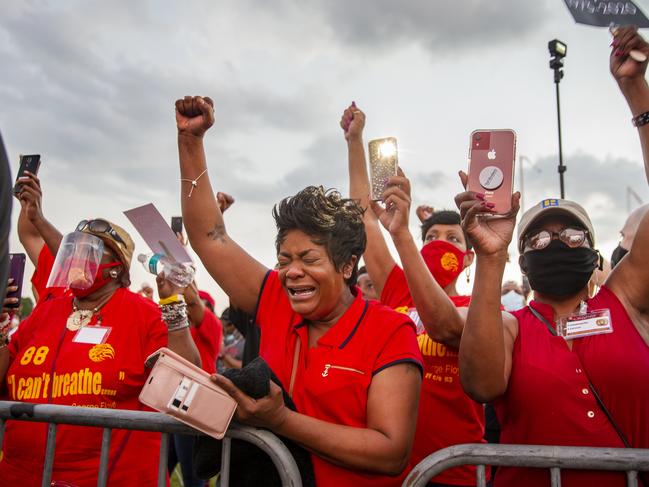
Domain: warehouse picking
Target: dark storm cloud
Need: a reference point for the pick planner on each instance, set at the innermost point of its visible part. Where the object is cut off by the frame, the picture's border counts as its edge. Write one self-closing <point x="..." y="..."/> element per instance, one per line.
<point x="74" y="94"/>
<point x="435" y="25"/>
<point x="442" y="25"/>
<point x="92" y="88"/>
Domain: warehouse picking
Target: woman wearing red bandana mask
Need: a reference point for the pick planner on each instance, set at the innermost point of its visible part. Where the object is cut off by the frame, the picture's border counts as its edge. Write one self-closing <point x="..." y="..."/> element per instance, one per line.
<point x="426" y="289"/>
<point x="88" y="349"/>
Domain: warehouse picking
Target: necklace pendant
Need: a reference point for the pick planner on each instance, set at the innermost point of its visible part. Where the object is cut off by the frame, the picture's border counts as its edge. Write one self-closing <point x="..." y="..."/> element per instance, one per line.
<point x="78" y="319"/>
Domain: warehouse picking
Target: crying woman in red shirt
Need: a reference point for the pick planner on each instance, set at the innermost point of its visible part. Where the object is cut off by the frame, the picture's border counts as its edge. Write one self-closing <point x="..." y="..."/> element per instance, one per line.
<point x="88" y="350"/>
<point x="351" y="366"/>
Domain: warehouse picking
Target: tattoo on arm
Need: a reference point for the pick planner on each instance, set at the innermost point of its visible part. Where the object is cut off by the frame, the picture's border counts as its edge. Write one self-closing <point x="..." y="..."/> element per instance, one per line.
<point x="217" y="233"/>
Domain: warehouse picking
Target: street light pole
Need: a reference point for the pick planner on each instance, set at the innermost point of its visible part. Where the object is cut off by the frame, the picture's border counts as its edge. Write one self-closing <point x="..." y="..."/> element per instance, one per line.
<point x="561" y="167"/>
<point x="558" y="51"/>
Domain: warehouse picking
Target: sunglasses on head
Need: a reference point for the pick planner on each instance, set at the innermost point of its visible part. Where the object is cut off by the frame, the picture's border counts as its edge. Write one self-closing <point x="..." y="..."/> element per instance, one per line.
<point x="100" y="226"/>
<point x="572" y="237"/>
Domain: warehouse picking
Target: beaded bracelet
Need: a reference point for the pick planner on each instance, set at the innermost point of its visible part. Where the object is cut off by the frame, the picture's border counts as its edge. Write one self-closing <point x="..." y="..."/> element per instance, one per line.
<point x="640" y="120"/>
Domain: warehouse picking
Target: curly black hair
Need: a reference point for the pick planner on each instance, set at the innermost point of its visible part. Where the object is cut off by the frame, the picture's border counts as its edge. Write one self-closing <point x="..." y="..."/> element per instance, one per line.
<point x="329" y="219"/>
<point x="443" y="217"/>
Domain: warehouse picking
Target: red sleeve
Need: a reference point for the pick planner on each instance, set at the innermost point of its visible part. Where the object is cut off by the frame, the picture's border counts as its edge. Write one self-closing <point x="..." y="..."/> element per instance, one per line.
<point x="273" y="302"/>
<point x="14" y="342"/>
<point x="208" y="336"/>
<point x="400" y="346"/>
<point x="395" y="292"/>
<point x="42" y="275"/>
<point x="461" y="301"/>
<point x="42" y="271"/>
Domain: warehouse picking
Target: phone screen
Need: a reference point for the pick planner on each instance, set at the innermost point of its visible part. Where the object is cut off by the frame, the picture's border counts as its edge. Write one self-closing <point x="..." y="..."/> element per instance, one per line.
<point x="16" y="272"/>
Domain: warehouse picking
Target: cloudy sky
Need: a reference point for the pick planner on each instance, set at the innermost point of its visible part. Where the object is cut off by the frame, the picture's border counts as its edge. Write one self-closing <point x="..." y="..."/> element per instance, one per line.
<point x="91" y="86"/>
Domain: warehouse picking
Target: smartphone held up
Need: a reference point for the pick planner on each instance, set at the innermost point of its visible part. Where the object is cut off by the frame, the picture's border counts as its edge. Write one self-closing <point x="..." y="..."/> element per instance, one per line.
<point x="16" y="273"/>
<point x="177" y="224"/>
<point x="492" y="154"/>
<point x="383" y="164"/>
<point x="29" y="163"/>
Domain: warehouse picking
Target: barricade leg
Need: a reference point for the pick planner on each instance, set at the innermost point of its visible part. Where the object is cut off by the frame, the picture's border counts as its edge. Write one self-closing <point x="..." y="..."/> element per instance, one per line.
<point x="481" y="477"/>
<point x="555" y="477"/>
<point x="164" y="456"/>
<point x="632" y="478"/>
<point x="225" y="462"/>
<point x="102" y="477"/>
<point x="49" y="455"/>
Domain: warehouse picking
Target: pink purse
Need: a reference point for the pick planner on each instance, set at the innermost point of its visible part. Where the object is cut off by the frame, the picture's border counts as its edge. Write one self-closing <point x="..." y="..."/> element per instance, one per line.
<point x="184" y="391"/>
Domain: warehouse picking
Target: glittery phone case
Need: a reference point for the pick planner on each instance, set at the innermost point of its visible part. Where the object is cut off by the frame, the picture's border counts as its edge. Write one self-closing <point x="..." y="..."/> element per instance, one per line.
<point x="383" y="164"/>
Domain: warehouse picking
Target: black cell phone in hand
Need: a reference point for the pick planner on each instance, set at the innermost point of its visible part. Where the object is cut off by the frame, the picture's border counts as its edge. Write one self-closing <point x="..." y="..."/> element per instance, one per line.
<point x="29" y="163"/>
<point x="177" y="224"/>
<point x="16" y="272"/>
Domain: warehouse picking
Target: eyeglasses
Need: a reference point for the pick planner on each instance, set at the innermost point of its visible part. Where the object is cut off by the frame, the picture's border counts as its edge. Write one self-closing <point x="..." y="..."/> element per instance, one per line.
<point x="572" y="237"/>
<point x="100" y="226"/>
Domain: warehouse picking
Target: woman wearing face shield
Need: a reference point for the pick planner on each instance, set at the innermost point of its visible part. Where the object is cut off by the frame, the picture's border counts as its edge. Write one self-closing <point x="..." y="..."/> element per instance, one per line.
<point x="566" y="369"/>
<point x="351" y="366"/>
<point x="88" y="350"/>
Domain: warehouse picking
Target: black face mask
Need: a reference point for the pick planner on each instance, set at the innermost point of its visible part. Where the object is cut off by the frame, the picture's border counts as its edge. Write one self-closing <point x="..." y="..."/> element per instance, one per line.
<point x="617" y="255"/>
<point x="558" y="270"/>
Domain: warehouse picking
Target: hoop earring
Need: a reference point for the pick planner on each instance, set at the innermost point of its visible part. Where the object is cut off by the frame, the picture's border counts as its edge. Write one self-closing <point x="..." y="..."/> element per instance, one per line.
<point x="113" y="273"/>
<point x="467" y="273"/>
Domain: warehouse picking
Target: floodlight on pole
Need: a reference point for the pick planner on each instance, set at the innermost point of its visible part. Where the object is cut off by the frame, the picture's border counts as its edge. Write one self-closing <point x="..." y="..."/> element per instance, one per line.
<point x="558" y="51"/>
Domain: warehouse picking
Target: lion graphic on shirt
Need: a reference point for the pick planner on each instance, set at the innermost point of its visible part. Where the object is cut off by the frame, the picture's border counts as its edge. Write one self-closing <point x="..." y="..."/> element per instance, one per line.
<point x="449" y="262"/>
<point x="101" y="352"/>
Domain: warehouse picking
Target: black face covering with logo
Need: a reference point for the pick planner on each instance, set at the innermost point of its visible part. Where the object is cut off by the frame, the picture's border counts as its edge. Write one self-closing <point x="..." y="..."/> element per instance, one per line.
<point x="558" y="270"/>
<point x="617" y="255"/>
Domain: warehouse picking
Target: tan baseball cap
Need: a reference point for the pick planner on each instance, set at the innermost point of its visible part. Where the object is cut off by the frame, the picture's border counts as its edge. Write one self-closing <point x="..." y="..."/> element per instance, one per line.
<point x="116" y="238"/>
<point x="554" y="206"/>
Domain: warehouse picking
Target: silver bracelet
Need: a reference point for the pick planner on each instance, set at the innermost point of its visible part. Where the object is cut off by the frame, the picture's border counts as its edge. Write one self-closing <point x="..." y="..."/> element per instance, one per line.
<point x="175" y="316"/>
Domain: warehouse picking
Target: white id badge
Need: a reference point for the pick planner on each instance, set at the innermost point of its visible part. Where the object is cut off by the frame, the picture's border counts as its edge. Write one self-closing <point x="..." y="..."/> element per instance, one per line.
<point x="92" y="334"/>
<point x="593" y="322"/>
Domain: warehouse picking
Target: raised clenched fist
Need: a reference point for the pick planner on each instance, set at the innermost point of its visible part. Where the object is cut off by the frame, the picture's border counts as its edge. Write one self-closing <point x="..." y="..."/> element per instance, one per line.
<point x="194" y="115"/>
<point x="352" y="122"/>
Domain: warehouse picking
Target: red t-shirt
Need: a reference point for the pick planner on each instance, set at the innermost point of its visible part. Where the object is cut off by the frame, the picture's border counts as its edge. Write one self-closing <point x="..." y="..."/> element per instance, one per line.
<point x="447" y="416"/>
<point x="48" y="367"/>
<point x="333" y="378"/>
<point x="42" y="275"/>
<point x="548" y="401"/>
<point x="208" y="337"/>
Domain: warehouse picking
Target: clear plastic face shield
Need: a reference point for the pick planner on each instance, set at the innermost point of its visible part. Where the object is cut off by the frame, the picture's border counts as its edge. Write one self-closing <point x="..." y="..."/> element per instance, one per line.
<point x="77" y="261"/>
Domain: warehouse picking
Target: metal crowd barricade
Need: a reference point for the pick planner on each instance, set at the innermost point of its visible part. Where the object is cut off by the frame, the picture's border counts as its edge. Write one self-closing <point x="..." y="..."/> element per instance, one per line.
<point x="554" y="458"/>
<point x="111" y="419"/>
